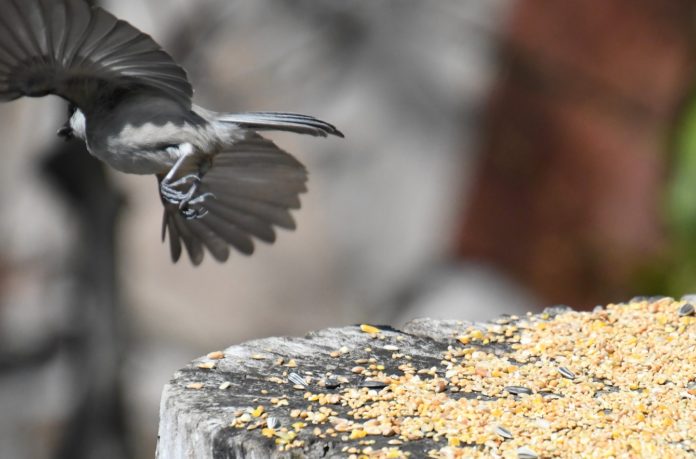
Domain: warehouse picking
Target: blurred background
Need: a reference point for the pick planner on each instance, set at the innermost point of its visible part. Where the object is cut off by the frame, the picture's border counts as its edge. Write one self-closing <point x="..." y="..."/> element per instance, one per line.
<point x="500" y="156"/>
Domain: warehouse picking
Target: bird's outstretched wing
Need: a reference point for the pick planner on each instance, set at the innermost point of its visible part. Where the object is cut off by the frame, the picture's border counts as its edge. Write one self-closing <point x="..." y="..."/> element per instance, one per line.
<point x="255" y="184"/>
<point x="80" y="53"/>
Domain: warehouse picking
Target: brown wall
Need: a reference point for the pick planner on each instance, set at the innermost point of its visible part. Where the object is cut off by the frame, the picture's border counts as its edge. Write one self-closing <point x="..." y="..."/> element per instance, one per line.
<point x="568" y="195"/>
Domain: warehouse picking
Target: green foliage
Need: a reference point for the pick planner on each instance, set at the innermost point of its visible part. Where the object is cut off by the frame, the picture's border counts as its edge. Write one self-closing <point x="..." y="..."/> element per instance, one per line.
<point x="681" y="204"/>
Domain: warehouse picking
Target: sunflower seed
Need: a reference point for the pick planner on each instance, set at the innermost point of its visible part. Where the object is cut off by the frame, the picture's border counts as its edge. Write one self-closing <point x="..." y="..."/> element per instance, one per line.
<point x="526" y="453"/>
<point x="518" y="390"/>
<point x="331" y="383"/>
<point x="372" y="384"/>
<point x="566" y="373"/>
<point x="550" y="395"/>
<point x="686" y="310"/>
<point x="503" y="432"/>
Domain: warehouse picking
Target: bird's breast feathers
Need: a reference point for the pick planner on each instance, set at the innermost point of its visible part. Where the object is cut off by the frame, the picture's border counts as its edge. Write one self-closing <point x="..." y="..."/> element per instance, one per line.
<point x="151" y="148"/>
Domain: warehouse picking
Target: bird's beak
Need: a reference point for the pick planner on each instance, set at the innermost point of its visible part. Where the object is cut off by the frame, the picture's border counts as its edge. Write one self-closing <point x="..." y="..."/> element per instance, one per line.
<point x="65" y="132"/>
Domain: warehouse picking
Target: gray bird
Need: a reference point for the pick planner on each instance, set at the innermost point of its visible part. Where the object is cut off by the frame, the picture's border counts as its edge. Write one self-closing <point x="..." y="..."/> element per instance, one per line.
<point x="221" y="183"/>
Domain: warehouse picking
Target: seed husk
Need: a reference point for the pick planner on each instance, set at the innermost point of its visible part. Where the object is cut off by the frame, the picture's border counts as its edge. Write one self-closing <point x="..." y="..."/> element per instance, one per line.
<point x="272" y="422"/>
<point x="297" y="380"/>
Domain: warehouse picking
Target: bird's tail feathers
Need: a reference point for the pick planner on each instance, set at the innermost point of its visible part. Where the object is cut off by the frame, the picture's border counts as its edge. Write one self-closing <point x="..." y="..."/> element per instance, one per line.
<point x="255" y="185"/>
<point x="278" y="121"/>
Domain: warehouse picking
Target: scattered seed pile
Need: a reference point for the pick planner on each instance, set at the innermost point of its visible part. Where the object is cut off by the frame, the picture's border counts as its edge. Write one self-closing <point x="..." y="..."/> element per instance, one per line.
<point x="617" y="382"/>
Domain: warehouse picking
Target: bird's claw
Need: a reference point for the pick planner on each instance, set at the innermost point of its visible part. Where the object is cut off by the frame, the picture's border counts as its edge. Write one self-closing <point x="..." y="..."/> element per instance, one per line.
<point x="188" y="201"/>
<point x="194" y="178"/>
<point x="191" y="213"/>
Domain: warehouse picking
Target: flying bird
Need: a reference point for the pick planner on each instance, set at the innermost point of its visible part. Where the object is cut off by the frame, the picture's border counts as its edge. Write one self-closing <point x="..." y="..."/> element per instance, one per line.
<point x="221" y="183"/>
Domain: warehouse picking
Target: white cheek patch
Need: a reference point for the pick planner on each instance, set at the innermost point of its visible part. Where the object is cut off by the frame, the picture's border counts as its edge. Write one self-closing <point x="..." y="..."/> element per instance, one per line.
<point x="78" y="124"/>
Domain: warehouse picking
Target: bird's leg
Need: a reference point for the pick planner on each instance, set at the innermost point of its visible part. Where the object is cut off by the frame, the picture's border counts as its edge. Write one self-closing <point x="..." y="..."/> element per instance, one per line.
<point x="168" y="187"/>
<point x="188" y="198"/>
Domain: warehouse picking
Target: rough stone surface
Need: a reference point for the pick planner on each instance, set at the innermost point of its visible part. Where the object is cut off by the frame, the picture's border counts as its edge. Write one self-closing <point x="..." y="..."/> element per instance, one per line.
<point x="194" y="423"/>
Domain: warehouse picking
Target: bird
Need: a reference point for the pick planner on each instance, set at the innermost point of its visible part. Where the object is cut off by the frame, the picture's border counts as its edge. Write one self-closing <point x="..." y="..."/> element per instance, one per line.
<point x="222" y="184"/>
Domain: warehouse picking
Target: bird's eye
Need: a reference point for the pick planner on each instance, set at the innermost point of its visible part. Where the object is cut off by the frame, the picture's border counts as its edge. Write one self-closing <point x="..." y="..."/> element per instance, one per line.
<point x="66" y="132"/>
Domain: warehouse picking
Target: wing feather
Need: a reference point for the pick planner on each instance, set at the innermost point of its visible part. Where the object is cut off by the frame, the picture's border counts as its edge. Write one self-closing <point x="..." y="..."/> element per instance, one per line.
<point x="169" y="226"/>
<point x="216" y="245"/>
<point x="68" y="48"/>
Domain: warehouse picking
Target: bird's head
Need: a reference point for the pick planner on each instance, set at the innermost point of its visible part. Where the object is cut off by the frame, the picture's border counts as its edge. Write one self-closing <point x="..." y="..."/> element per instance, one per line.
<point x="76" y="126"/>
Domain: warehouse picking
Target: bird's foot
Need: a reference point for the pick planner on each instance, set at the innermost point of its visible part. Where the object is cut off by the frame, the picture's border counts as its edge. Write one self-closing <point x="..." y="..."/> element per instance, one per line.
<point x="172" y="193"/>
<point x="188" y="200"/>
<point x="193" y="210"/>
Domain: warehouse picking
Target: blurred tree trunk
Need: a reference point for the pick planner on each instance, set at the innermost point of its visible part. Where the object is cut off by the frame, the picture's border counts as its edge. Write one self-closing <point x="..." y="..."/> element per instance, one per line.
<point x="568" y="195"/>
<point x="97" y="342"/>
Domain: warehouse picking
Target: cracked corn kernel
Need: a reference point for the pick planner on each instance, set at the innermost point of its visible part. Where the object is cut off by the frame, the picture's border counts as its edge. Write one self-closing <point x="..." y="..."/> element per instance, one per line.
<point x="356" y="434"/>
<point x="372" y="330"/>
